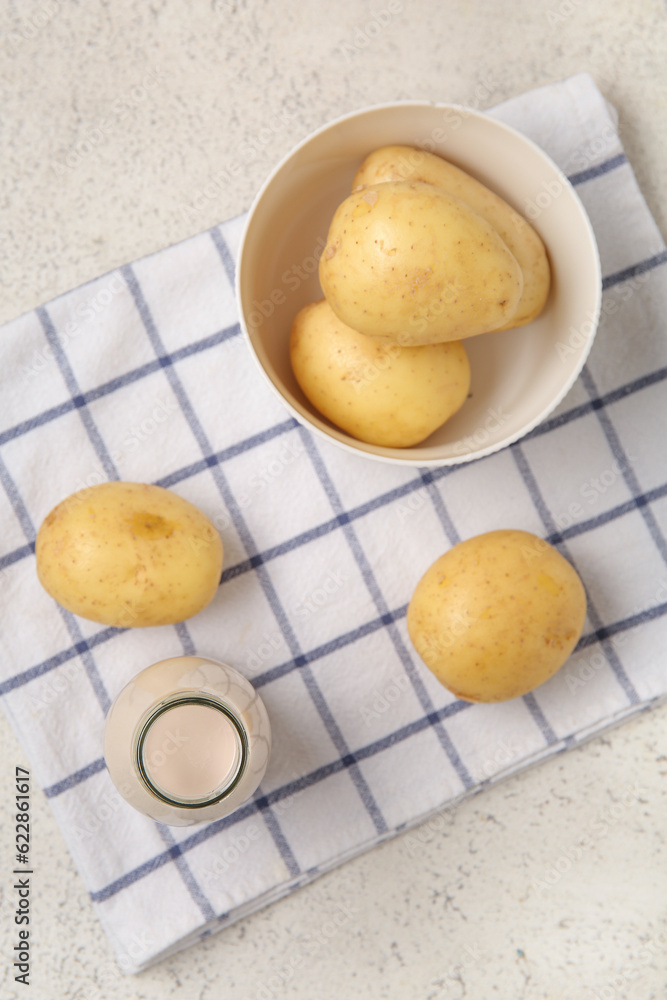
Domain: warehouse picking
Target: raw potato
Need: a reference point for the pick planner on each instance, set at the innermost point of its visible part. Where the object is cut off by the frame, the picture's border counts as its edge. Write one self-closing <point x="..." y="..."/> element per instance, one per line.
<point x="129" y="554"/>
<point x="409" y="262"/>
<point x="378" y="392"/>
<point x="497" y="615"/>
<point x="394" y="163"/>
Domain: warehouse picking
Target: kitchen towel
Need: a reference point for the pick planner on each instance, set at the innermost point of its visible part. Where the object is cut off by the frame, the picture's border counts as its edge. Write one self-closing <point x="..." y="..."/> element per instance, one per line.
<point x="143" y="375"/>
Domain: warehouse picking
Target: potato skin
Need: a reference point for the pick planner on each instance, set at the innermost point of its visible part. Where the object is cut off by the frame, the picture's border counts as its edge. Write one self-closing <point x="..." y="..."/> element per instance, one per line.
<point x="129" y="554"/>
<point x="378" y="392"/>
<point x="497" y="615"/>
<point x="394" y="163"/>
<point x="409" y="262"/>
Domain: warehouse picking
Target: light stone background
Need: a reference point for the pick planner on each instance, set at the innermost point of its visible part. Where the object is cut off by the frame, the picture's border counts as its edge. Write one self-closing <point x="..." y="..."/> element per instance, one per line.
<point x="117" y="118"/>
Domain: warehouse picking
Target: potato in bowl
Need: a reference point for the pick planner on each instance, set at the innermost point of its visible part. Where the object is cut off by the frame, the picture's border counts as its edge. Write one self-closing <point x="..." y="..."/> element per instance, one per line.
<point x="407" y="261"/>
<point x="379" y="392"/>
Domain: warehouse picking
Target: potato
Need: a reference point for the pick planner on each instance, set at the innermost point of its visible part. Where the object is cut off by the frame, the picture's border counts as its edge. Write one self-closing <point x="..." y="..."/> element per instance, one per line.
<point x="497" y="615"/>
<point x="378" y="392"/>
<point x="394" y="163"/>
<point x="409" y="262"/>
<point x="129" y="554"/>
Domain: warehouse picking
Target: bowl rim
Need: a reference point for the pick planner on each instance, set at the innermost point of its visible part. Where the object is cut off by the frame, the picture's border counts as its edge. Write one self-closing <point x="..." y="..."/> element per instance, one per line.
<point x="393" y="455"/>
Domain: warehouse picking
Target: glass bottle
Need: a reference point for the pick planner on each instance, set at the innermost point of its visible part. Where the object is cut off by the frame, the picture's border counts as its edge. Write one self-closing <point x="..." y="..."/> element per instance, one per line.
<point x="187" y="740"/>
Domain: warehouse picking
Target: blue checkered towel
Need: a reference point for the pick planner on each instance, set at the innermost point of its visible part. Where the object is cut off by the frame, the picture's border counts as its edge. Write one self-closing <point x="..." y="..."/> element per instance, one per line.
<point x="143" y="375"/>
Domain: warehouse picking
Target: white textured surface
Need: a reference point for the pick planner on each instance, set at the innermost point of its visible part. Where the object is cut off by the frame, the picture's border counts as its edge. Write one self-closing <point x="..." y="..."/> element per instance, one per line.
<point x="170" y="97"/>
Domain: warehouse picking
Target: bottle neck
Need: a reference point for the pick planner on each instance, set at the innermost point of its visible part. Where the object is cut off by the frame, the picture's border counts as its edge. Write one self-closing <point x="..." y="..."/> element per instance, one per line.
<point x="191" y="750"/>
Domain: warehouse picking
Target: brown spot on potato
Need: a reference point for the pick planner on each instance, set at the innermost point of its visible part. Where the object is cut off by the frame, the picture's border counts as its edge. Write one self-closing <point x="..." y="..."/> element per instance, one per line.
<point x="146" y="525"/>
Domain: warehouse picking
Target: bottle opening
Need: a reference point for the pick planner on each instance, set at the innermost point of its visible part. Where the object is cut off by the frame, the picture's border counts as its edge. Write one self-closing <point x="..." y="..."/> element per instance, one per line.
<point x="191" y="751"/>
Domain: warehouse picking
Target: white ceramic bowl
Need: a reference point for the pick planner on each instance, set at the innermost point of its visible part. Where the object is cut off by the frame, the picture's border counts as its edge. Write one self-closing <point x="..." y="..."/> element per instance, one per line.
<point x="518" y="376"/>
